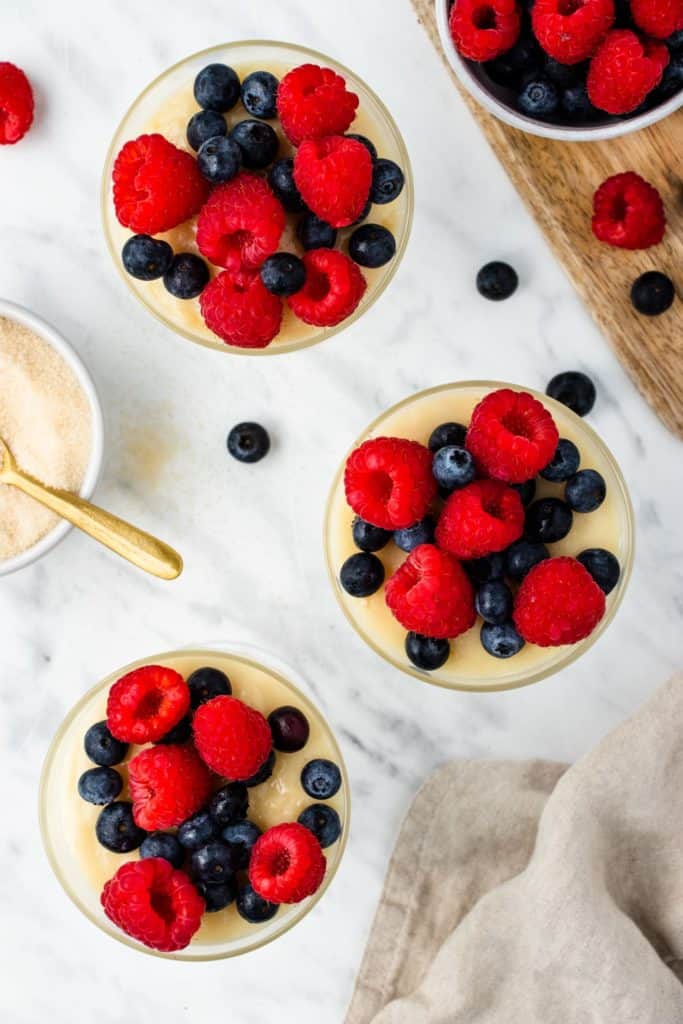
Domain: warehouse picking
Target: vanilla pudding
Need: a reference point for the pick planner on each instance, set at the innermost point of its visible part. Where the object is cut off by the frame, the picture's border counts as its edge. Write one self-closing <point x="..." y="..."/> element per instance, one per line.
<point x="469" y="665"/>
<point x="166" y="107"/>
<point x="83" y="866"/>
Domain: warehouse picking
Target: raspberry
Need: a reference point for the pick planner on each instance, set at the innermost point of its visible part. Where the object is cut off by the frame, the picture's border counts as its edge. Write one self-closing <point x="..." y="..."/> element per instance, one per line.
<point x="333" y="176"/>
<point x="332" y="290"/>
<point x="314" y="101"/>
<point x="570" y="30"/>
<point x="558" y="603"/>
<point x="480" y="518"/>
<point x="483" y="29"/>
<point x="239" y="309"/>
<point x="154" y="903"/>
<point x="658" y="18"/>
<point x="241" y="223"/>
<point x="156" y="185"/>
<point x="628" y="212"/>
<point x="389" y="483"/>
<point x="144" y="704"/>
<point x="431" y="594"/>
<point x="16" y="104"/>
<point x="167" y="784"/>
<point x="511" y="435"/>
<point x="287" y="864"/>
<point x="624" y="70"/>
<point x="231" y="737"/>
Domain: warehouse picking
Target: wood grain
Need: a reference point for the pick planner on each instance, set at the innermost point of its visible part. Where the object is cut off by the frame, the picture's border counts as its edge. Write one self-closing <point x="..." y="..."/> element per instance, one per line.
<point x="557" y="181"/>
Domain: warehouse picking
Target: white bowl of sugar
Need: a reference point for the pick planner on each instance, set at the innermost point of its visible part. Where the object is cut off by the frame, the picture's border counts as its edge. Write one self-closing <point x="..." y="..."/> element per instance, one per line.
<point x="51" y="418"/>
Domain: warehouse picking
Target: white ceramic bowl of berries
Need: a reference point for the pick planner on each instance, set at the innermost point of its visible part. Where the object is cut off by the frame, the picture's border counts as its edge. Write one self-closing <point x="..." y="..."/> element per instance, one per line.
<point x="574" y="70"/>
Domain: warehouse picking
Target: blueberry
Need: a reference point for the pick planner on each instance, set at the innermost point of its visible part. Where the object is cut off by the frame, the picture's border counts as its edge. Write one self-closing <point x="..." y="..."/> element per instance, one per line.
<point x="603" y="567"/>
<point x="453" y="467"/>
<point x="494" y="602"/>
<point x="361" y="574"/>
<point x="490" y="567"/>
<point x="364" y="141"/>
<point x="323" y="822"/>
<point x="522" y="556"/>
<point x="281" y="180"/>
<point x="289" y="728"/>
<point x="387" y="181"/>
<point x="321" y="778"/>
<point x="538" y="98"/>
<point x="180" y="733"/>
<point x="576" y="104"/>
<point x="314" y="233"/>
<point x="146" y="258"/>
<point x="264" y="772"/>
<point x="524" y="58"/>
<point x="116" y="829"/>
<point x="217" y="87"/>
<point x="547" y="520"/>
<point x="675" y="41"/>
<point x="258" y="142"/>
<point x="526" y="491"/>
<point x="564" y="75"/>
<point x="368" y="537"/>
<point x="372" y="245"/>
<point x="259" y="93"/>
<point x="283" y="273"/>
<point x="187" y="276"/>
<point x="205" y="125"/>
<point x="219" y="159"/>
<point x="217" y="895"/>
<point x="229" y="803"/>
<point x="497" y="281"/>
<point x="241" y="836"/>
<point x="426" y="652"/>
<point x="652" y="293"/>
<point x="214" y="862"/>
<point x="163" y="844"/>
<point x="410" y="537"/>
<point x="100" y="785"/>
<point x="447" y="434"/>
<point x="197" y="830"/>
<point x="564" y="462"/>
<point x="501" y="640"/>
<point x="206" y="683"/>
<point x="252" y="907"/>
<point x="574" y="389"/>
<point x="586" y="490"/>
<point x="101" y="747"/>
<point x="248" y="442"/>
<point x="672" y="79"/>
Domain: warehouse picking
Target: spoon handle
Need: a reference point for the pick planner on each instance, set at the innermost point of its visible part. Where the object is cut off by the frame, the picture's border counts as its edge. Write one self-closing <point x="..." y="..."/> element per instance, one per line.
<point x="126" y="540"/>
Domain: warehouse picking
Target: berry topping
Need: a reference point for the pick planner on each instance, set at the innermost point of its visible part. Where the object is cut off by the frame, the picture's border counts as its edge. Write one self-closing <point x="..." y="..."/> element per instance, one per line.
<point x="501" y="639"/>
<point x="511" y="435"/>
<point x="180" y="733"/>
<point x="206" y="683"/>
<point x="387" y="182"/>
<point x="252" y="907"/>
<point x="652" y="293"/>
<point x="217" y="87"/>
<point x="323" y="822"/>
<point x="558" y="603"/>
<point x="100" y="785"/>
<point x="241" y="836"/>
<point x="144" y="704"/>
<point x="658" y="18"/>
<point x="410" y="537"/>
<point x="116" y="830"/>
<point x="258" y="143"/>
<point x="453" y="467"/>
<point x="240" y="224"/>
<point x="321" y="778"/>
<point x="163" y="844"/>
<point x="522" y="556"/>
<point x="431" y="594"/>
<point x="16" y="104"/>
<point x="362" y="574"/>
<point x="494" y="602"/>
<point x="259" y="94"/>
<point x="289" y="728"/>
<point x="231" y="737"/>
<point x="574" y="389"/>
<point x="426" y="652"/>
<point x="548" y="520"/>
<point x="490" y="567"/>
<point x="333" y="288"/>
<point x="603" y="567"/>
<point x="570" y="30"/>
<point x="314" y="233"/>
<point x="287" y="864"/>
<point x="204" y="125"/>
<point x="388" y="481"/>
<point x="215" y="862"/>
<point x="372" y="245"/>
<point x="217" y="895"/>
<point x="497" y="280"/>
<point x="628" y="212"/>
<point x="146" y="258"/>
<point x="564" y="462"/>
<point x="219" y="159"/>
<point x="101" y="747"/>
<point x="281" y="180"/>
<point x="187" y="276"/>
<point x="156" y="185"/>
<point x="526" y="491"/>
<point x="624" y="70"/>
<point x="248" y="442"/>
<point x="482" y="517"/>
<point x="239" y="309"/>
<point x="483" y="29"/>
<point x="538" y="98"/>
<point x="264" y="772"/>
<point x="167" y="784"/>
<point x="447" y="434"/>
<point x="313" y="102"/>
<point x="153" y="903"/>
<point x="197" y="831"/>
<point x="229" y="803"/>
<point x="283" y="273"/>
<point x="334" y="175"/>
<point x="368" y="537"/>
<point x="585" y="491"/>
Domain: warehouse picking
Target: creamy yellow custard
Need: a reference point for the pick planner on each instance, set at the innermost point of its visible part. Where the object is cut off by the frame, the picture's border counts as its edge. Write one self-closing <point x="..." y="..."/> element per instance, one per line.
<point x="83" y="865"/>
<point x="469" y="665"/>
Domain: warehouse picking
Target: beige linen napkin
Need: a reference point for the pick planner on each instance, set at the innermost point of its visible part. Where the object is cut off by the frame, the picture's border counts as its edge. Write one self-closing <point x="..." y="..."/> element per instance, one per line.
<point x="530" y="893"/>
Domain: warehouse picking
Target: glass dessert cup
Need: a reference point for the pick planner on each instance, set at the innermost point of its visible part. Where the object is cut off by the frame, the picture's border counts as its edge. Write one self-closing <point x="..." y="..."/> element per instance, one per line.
<point x="67" y="823"/>
<point x="470" y="667"/>
<point x="167" y="104"/>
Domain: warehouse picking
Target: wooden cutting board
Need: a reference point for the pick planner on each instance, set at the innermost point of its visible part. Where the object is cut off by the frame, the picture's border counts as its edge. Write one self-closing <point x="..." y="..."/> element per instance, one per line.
<point x="557" y="181"/>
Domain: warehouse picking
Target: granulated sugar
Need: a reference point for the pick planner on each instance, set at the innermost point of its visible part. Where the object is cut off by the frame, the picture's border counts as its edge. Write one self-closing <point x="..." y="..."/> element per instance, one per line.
<point x="45" y="419"/>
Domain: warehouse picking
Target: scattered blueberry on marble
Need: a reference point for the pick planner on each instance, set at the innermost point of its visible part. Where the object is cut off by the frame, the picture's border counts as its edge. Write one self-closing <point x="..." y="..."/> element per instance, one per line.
<point x="116" y="829"/>
<point x="248" y="442"/>
<point x="205" y="125"/>
<point x="100" y="785"/>
<point x="187" y="276"/>
<point x="361" y="575"/>
<point x="102" y="748"/>
<point x="321" y="778"/>
<point x="323" y="822"/>
<point x="501" y="640"/>
<point x="603" y="567"/>
<point x="574" y="389"/>
<point x="217" y="87"/>
<point x="259" y="94"/>
<point x="497" y="281"/>
<point x="146" y="258"/>
<point x="426" y="652"/>
<point x="585" y="491"/>
<point x="163" y="844"/>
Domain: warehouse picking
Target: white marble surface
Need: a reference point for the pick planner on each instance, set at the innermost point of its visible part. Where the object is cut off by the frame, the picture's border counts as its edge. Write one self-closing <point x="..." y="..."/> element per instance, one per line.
<point x="251" y="535"/>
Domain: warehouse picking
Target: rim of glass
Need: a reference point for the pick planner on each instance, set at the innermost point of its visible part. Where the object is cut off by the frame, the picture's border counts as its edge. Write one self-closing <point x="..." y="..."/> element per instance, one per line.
<point x="238" y="653"/>
<point x="573" y="652"/>
<point x="324" y="333"/>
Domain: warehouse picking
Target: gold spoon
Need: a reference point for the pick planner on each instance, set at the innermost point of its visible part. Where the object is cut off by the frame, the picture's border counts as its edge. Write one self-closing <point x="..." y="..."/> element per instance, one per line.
<point x="138" y="547"/>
